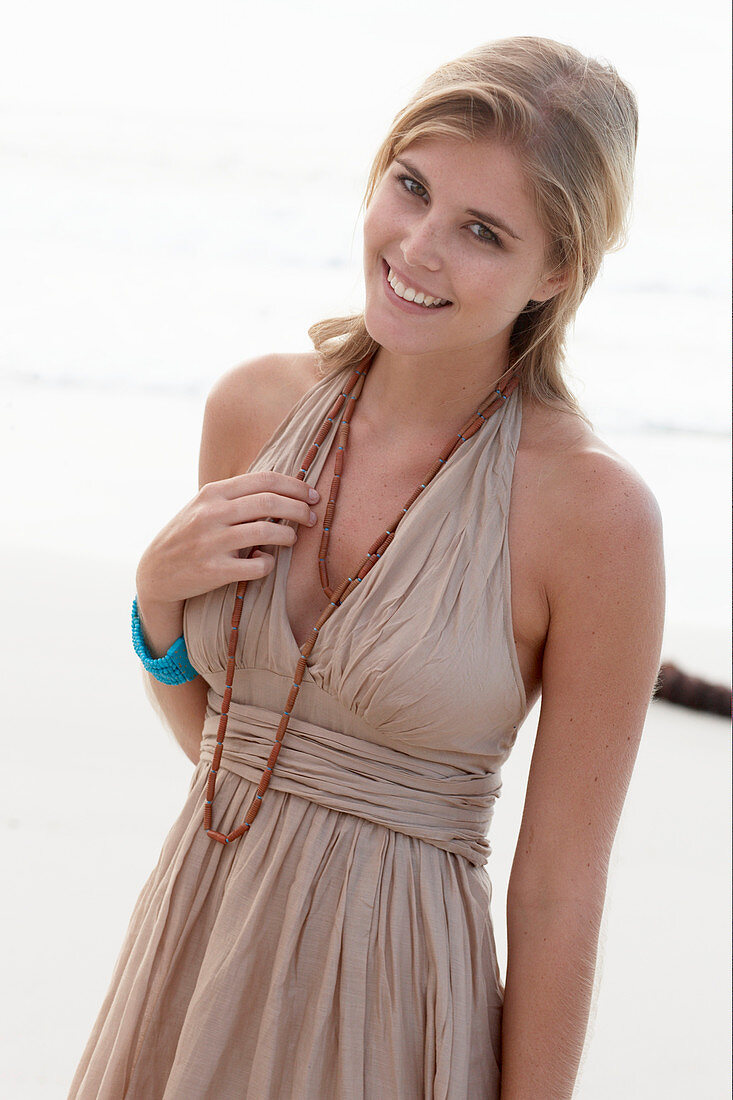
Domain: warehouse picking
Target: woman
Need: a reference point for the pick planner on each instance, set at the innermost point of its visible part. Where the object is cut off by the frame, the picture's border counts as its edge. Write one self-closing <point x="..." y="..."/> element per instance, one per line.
<point x="319" y="924"/>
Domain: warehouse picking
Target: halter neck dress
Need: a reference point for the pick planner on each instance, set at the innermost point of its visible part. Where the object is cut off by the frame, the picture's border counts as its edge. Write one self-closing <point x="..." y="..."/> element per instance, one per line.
<point x="343" y="948"/>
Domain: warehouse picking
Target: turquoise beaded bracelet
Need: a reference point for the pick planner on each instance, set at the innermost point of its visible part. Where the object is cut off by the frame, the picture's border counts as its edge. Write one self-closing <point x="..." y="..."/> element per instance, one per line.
<point x="174" y="668"/>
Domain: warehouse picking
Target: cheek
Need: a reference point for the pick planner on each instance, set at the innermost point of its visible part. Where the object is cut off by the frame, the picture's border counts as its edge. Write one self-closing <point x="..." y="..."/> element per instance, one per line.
<point x="373" y="232"/>
<point x="495" y="288"/>
<point x="381" y="219"/>
<point x="371" y="223"/>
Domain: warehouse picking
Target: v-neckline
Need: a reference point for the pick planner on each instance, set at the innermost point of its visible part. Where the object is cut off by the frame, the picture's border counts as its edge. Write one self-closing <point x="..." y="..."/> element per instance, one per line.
<point x="282" y="567"/>
<point x="282" y="570"/>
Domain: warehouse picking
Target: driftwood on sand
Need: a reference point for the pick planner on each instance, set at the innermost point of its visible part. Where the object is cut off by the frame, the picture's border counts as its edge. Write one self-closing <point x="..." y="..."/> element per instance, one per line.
<point x="685" y="690"/>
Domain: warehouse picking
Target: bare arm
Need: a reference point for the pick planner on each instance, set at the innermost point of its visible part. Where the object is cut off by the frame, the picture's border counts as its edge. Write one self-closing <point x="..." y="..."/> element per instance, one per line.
<point x="199" y="549"/>
<point x="182" y="708"/>
<point x="606" y="594"/>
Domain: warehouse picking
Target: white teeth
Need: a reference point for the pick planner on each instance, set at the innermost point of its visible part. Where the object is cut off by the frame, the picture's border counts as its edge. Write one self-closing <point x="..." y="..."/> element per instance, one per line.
<point x="411" y="295"/>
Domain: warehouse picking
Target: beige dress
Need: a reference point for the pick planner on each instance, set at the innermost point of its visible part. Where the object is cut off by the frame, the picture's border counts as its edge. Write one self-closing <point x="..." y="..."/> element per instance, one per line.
<point x="343" y="948"/>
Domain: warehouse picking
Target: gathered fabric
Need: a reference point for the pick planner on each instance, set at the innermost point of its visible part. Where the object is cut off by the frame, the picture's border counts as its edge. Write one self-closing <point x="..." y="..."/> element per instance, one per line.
<point x="439" y="803"/>
<point x="343" y="947"/>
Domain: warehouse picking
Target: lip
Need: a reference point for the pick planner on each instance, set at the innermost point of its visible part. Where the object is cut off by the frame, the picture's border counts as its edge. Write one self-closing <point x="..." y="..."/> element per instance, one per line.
<point x="401" y="303"/>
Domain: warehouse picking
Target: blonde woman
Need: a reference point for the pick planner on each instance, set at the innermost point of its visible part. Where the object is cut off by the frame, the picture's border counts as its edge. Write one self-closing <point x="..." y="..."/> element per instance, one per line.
<point x="400" y="540"/>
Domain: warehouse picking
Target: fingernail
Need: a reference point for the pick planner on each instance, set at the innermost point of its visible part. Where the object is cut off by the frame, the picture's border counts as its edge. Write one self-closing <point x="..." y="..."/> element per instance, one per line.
<point x="313" y="494"/>
<point x="314" y="517"/>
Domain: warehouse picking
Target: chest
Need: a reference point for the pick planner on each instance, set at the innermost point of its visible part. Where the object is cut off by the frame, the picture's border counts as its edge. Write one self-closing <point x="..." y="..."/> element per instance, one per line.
<point x="374" y="488"/>
<point x="372" y="492"/>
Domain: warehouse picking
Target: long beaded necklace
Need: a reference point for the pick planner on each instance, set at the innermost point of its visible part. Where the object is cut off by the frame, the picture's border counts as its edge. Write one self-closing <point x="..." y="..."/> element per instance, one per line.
<point x="350" y="393"/>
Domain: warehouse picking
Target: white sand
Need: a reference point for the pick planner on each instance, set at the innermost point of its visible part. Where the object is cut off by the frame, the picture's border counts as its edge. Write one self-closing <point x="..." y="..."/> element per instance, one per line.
<point x="95" y="782"/>
<point x="169" y="179"/>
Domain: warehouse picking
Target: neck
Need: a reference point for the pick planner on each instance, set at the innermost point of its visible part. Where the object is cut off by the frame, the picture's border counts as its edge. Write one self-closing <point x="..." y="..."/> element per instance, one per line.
<point x="427" y="395"/>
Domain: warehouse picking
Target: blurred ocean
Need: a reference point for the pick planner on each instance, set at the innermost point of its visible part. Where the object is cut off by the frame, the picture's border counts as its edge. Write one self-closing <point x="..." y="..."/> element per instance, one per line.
<point x="181" y="186"/>
<point x="179" y="190"/>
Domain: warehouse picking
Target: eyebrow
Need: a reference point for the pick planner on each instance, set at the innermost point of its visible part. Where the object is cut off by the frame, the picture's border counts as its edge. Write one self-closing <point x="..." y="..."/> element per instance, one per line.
<point x="474" y="213"/>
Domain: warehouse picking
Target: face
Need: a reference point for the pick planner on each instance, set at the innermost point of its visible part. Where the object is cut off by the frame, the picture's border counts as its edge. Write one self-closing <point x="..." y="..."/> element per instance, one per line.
<point x="452" y="220"/>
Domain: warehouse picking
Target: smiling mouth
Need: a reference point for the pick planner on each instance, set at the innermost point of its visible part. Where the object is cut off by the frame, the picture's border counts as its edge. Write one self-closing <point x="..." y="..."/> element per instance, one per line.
<point x="410" y="294"/>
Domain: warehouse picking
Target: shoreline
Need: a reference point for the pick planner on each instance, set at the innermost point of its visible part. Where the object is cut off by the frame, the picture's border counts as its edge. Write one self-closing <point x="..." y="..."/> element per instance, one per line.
<point x="101" y="782"/>
<point x="94" y="477"/>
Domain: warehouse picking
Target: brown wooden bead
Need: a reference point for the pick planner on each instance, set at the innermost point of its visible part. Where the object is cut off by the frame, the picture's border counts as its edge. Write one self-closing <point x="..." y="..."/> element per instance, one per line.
<point x="217" y="836"/>
<point x="310" y="455"/>
<point x="325" y="614"/>
<point x="348" y="396"/>
<point x="292" y="697"/>
<point x="254" y="809"/>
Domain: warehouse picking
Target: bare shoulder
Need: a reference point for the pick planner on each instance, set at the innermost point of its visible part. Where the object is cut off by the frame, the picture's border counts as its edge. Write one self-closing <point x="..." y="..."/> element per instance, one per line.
<point x="595" y="507"/>
<point x="245" y="406"/>
<point x="602" y="571"/>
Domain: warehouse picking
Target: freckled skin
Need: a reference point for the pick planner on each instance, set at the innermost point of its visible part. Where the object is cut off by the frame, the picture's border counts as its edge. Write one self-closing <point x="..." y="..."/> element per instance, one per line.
<point x="431" y="238"/>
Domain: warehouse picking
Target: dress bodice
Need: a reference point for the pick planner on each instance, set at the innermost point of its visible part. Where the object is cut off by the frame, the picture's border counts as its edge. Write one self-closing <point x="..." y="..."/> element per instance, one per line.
<point x="418" y="669"/>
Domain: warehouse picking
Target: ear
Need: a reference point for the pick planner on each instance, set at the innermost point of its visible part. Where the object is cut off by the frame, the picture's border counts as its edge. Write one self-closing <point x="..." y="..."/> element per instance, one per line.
<point x="549" y="285"/>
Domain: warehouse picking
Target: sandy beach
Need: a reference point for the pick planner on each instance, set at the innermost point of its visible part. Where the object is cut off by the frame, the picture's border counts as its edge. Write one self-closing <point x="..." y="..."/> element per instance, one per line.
<point x="180" y="191"/>
<point x="97" y="781"/>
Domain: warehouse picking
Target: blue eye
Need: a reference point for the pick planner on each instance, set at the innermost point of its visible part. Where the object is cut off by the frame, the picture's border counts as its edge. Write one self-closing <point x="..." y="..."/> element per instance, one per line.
<point x="492" y="238"/>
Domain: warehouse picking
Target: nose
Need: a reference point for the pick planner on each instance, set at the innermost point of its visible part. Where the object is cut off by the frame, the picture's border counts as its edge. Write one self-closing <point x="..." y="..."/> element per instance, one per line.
<point x="420" y="245"/>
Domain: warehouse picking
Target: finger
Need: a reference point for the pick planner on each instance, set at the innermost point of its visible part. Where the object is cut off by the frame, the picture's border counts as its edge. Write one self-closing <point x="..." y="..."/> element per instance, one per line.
<point x="268" y="559"/>
<point x="269" y="506"/>
<point x="264" y="481"/>
<point x="243" y="536"/>
<point x="257" y="564"/>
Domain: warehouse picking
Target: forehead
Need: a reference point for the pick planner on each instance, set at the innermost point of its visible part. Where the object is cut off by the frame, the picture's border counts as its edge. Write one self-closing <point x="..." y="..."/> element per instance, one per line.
<point x="482" y="174"/>
<point x="477" y="163"/>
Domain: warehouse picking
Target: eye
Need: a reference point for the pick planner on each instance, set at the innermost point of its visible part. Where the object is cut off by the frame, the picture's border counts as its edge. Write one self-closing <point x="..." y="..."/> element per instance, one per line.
<point x="410" y="184"/>
<point x="404" y="180"/>
<point x="491" y="238"/>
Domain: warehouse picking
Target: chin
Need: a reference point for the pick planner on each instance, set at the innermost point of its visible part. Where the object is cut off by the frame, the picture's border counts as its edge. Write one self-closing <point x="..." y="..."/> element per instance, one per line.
<point x="394" y="336"/>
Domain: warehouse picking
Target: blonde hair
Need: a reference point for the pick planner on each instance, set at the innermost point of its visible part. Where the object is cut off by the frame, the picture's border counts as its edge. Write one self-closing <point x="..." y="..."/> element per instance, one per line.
<point x="573" y="123"/>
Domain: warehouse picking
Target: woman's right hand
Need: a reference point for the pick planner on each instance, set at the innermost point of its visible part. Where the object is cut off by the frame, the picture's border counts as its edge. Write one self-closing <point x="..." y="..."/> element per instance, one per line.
<point x="199" y="550"/>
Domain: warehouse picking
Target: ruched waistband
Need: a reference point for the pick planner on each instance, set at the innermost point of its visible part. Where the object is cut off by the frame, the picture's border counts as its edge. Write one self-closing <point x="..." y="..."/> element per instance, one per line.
<point x="448" y="807"/>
